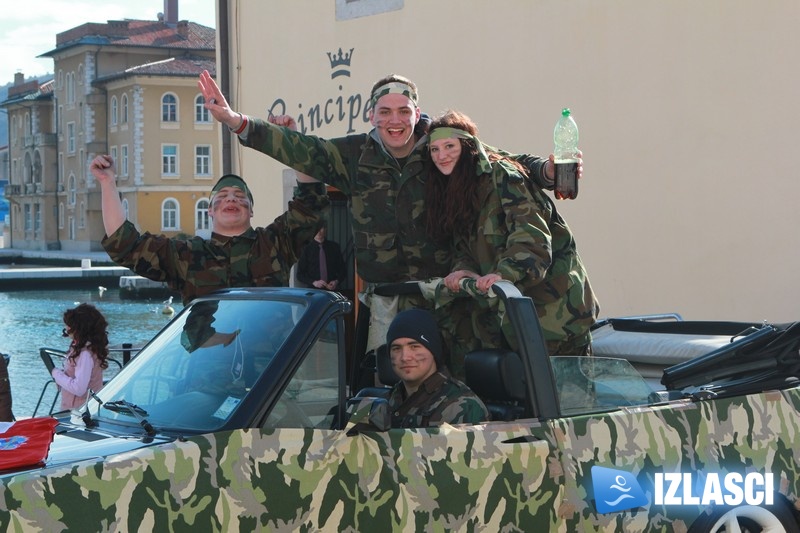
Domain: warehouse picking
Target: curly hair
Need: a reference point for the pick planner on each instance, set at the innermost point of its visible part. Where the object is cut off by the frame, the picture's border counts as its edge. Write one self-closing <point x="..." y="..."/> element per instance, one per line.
<point x="88" y="328"/>
<point x="452" y="203"/>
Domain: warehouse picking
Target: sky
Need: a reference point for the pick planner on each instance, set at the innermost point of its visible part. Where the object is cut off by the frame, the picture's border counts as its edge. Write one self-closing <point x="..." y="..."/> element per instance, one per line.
<point x="27" y="33"/>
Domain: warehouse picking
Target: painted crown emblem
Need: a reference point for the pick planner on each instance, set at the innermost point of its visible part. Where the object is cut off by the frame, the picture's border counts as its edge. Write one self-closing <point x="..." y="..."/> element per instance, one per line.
<point x="340" y="63"/>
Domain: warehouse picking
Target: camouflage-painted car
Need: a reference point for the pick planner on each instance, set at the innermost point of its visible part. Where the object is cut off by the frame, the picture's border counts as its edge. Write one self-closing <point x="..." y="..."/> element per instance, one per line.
<point x="235" y="417"/>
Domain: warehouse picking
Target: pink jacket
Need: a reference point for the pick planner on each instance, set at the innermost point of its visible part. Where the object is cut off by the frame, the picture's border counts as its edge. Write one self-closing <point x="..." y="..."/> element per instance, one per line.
<point x="79" y="375"/>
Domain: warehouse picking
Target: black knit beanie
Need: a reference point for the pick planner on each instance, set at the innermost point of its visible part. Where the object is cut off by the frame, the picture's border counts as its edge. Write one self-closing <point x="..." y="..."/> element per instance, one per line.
<point x="417" y="324"/>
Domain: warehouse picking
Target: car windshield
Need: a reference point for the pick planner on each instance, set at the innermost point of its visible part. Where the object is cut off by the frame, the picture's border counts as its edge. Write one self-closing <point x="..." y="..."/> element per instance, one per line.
<point x="593" y="384"/>
<point x="201" y="366"/>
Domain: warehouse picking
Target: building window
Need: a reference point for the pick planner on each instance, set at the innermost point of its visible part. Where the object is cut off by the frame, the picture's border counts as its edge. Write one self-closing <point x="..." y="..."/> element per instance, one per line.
<point x="351" y="9"/>
<point x="71" y="191"/>
<point x="28" y="217"/>
<point x="37" y="218"/>
<point x="70" y="137"/>
<point x="113" y="154"/>
<point x="124" y="108"/>
<point x="169" y="159"/>
<point x="201" y="219"/>
<point x="61" y="215"/>
<point x="71" y="88"/>
<point x="60" y="172"/>
<point x="60" y="79"/>
<point x="169" y="108"/>
<point x="114" y="111"/>
<point x="170" y="215"/>
<point x="201" y="114"/>
<point x="27" y="169"/>
<point x="202" y="160"/>
<point x="123" y="163"/>
<point x="37" y="167"/>
<point x="125" y="208"/>
<point x="82" y="216"/>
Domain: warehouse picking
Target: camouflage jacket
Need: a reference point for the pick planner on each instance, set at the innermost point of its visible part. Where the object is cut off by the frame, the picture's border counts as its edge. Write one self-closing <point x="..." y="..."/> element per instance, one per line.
<point x="258" y="257"/>
<point x="440" y="399"/>
<point x="520" y="235"/>
<point x="387" y="199"/>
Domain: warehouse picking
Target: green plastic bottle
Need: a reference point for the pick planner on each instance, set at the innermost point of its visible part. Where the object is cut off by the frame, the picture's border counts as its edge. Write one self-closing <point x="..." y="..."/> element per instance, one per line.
<point x="565" y="138"/>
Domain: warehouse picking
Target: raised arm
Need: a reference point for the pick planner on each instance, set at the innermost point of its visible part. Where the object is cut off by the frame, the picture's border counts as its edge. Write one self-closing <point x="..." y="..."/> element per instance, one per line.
<point x="216" y="103"/>
<point x="102" y="168"/>
<point x="288" y="121"/>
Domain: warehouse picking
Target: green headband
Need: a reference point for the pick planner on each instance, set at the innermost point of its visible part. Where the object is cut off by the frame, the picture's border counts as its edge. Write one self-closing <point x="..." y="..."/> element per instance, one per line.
<point x="396" y="87"/>
<point x="232" y="180"/>
<point x="484" y="165"/>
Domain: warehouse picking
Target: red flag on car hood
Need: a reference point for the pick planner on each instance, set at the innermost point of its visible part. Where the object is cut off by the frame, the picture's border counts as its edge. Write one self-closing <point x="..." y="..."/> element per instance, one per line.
<point x="26" y="442"/>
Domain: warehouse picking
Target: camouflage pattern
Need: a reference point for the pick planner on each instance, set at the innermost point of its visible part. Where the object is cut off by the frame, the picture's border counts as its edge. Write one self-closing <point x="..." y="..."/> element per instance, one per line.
<point x="395" y="87"/>
<point x="387" y="211"/>
<point x="387" y="201"/>
<point x="440" y="399"/>
<point x="519" y="476"/>
<point x="522" y="237"/>
<point x="258" y="257"/>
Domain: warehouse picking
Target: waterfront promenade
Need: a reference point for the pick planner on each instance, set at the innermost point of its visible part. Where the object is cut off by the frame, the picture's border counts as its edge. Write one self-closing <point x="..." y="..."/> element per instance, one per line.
<point x="24" y="269"/>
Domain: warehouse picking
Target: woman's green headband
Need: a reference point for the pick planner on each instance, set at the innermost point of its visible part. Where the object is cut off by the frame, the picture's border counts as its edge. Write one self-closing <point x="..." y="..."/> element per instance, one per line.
<point x="394" y="87"/>
<point x="484" y="165"/>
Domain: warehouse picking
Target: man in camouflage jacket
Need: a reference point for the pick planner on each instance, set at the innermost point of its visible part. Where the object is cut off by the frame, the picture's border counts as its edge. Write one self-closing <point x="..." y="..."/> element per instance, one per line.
<point x="236" y="255"/>
<point x="426" y="394"/>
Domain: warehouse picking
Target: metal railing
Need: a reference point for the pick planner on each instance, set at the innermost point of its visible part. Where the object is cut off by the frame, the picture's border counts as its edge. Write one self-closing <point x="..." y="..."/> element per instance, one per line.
<point x="53" y="358"/>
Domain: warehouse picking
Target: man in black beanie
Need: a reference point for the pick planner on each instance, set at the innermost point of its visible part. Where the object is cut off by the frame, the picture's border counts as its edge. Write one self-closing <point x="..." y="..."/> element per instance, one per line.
<point x="426" y="395"/>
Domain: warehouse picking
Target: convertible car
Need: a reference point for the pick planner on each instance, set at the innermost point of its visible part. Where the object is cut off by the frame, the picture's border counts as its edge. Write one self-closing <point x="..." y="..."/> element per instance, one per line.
<point x="245" y="413"/>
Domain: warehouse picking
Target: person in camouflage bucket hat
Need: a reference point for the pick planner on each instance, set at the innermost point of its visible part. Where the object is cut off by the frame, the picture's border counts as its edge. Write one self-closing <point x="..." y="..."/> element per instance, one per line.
<point x="505" y="228"/>
<point x="426" y="395"/>
<point x="236" y="255"/>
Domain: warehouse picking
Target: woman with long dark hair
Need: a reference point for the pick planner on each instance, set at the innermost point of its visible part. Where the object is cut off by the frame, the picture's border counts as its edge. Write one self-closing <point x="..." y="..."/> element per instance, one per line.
<point x="504" y="226"/>
<point x="87" y="355"/>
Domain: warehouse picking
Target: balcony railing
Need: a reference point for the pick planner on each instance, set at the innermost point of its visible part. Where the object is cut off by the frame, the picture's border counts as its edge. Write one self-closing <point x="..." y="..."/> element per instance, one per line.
<point x="13" y="190"/>
<point x="45" y="139"/>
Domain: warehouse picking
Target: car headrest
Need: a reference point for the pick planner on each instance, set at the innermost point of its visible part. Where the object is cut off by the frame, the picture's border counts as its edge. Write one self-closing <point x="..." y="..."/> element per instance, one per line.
<point x="383" y="363"/>
<point x="495" y="375"/>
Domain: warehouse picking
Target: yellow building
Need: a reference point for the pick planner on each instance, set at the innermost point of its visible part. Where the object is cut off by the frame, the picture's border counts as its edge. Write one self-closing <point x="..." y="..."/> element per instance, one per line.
<point x="127" y="88"/>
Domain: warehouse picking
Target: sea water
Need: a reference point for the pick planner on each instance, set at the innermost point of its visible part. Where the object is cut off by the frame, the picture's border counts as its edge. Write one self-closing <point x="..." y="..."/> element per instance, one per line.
<point x="30" y="320"/>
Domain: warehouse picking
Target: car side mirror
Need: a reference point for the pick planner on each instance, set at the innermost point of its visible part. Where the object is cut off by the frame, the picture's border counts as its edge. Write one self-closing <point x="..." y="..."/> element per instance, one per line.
<point x="368" y="414"/>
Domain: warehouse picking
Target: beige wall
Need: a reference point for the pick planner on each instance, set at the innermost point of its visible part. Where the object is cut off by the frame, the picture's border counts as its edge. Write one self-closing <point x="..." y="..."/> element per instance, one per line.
<point x="687" y="113"/>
